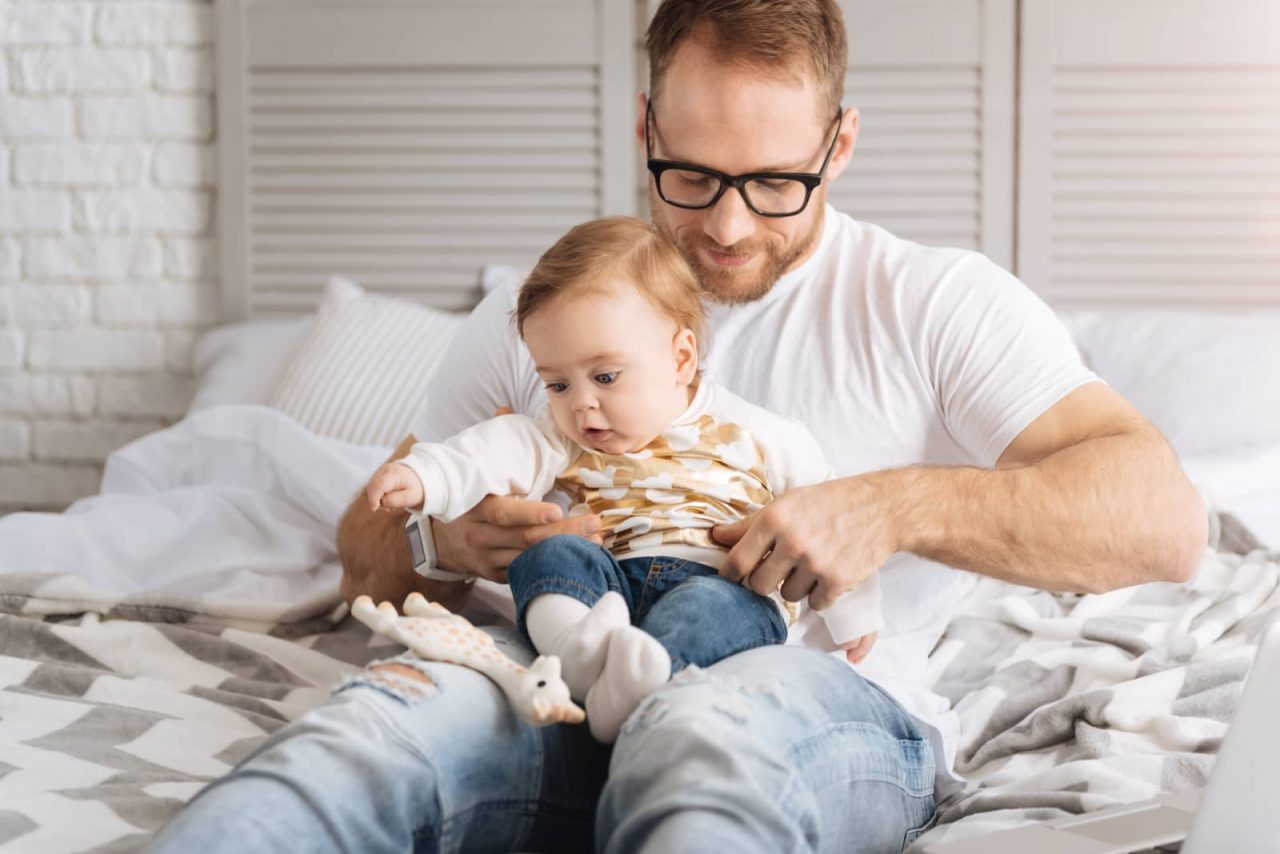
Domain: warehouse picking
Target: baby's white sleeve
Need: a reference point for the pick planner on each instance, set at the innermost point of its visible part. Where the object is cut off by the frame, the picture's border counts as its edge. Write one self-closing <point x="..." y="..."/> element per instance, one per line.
<point x="856" y="613"/>
<point x="508" y="455"/>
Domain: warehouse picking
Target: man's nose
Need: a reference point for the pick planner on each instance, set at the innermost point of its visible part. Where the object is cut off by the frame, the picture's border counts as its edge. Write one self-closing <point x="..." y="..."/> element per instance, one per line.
<point x="729" y="219"/>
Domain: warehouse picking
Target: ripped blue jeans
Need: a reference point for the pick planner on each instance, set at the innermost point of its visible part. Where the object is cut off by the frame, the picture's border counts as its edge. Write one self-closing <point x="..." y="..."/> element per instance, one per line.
<point x="778" y="748"/>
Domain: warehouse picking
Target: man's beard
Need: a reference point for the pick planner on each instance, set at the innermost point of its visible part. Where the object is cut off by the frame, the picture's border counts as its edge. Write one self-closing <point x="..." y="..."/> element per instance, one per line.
<point x="731" y="285"/>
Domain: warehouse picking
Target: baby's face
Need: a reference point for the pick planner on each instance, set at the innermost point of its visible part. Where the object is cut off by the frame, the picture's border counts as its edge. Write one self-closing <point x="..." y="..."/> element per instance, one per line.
<point x="616" y="370"/>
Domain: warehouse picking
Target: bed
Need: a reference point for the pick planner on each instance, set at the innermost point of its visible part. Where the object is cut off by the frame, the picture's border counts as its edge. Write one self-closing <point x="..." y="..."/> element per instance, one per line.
<point x="155" y="633"/>
<point x="137" y="668"/>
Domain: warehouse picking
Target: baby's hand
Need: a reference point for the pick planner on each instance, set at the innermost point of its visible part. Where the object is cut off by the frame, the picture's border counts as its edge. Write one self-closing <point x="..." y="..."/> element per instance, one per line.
<point x="857" y="649"/>
<point x="394" y="487"/>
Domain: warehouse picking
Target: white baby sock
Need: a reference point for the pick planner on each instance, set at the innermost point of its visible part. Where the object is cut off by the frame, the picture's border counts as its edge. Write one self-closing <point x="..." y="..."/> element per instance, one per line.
<point x="562" y="626"/>
<point x="636" y="665"/>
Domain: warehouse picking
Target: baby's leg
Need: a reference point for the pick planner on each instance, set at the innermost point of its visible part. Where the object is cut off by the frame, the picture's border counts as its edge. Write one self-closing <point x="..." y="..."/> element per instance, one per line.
<point x="700" y="620"/>
<point x="570" y="594"/>
<point x="706" y="618"/>
<point x="637" y="665"/>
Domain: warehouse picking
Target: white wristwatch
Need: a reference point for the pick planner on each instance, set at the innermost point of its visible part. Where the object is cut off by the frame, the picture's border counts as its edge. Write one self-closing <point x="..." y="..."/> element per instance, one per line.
<point x="423" y="553"/>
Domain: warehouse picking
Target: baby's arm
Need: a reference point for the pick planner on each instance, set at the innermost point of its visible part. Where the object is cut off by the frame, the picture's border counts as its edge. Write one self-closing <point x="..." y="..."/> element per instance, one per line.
<point x="393" y="487"/>
<point x="512" y="454"/>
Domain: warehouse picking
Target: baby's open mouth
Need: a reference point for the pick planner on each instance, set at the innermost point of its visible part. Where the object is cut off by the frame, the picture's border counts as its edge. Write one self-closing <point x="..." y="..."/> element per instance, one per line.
<point x="596" y="434"/>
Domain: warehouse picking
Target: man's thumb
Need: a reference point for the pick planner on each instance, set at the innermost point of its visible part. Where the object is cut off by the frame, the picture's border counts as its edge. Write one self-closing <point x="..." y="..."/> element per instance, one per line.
<point x="728" y="535"/>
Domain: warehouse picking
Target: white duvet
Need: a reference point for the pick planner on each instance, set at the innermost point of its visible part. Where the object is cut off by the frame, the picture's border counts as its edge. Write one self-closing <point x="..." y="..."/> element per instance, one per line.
<point x="233" y="502"/>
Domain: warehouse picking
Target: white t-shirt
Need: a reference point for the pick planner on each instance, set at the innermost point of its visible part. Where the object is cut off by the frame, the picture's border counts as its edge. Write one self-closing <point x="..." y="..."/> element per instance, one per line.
<point x="890" y="352"/>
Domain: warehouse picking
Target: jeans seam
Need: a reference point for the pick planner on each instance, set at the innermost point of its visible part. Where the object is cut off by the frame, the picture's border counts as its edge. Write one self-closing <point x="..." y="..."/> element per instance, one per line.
<point x="925" y="791"/>
<point x="529" y="806"/>
<point x="557" y="585"/>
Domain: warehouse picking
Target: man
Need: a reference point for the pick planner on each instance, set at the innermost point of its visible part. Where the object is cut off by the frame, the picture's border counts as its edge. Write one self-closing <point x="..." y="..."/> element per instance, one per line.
<point x="947" y="396"/>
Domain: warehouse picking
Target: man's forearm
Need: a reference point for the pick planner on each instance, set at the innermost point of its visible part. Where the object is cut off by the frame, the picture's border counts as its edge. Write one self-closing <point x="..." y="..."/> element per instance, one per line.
<point x="1105" y="513"/>
<point x="375" y="559"/>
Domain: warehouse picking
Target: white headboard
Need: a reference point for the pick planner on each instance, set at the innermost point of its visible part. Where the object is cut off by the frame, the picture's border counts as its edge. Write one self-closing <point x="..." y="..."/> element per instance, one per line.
<point x="407" y="144"/>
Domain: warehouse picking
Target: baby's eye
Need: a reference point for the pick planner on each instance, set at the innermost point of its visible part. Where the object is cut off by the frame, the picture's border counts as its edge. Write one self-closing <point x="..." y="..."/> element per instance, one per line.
<point x="557" y="388"/>
<point x="606" y="378"/>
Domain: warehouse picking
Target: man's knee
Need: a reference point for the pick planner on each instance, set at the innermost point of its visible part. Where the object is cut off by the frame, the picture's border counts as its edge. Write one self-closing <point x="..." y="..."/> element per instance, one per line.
<point x="403" y="671"/>
<point x="699" y="706"/>
<point x="402" y="681"/>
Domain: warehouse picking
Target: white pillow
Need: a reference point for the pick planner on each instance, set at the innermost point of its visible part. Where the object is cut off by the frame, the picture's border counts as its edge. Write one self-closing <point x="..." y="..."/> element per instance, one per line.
<point x="1207" y="380"/>
<point x="1247" y="485"/>
<point x="362" y="372"/>
<point x="494" y="276"/>
<point x="242" y="362"/>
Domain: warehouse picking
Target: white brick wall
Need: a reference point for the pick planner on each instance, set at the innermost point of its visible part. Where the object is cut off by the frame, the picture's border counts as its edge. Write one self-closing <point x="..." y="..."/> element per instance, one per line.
<point x="108" y="263"/>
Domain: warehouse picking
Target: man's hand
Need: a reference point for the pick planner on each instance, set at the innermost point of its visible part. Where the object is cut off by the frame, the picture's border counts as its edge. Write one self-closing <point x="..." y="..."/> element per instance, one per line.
<point x="394" y="486"/>
<point x="857" y="649"/>
<point x="484" y="540"/>
<point x="816" y="541"/>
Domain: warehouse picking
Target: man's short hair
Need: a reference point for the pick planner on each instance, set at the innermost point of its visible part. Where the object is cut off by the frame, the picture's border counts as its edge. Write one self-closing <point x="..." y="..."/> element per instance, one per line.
<point x="788" y="36"/>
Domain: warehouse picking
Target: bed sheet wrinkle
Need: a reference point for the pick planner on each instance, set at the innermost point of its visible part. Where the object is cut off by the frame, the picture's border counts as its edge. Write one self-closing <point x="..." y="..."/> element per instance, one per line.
<point x="237" y="502"/>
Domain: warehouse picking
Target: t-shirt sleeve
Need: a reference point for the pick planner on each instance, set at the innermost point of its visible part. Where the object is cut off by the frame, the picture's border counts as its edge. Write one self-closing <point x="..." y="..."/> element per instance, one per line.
<point x="485" y="367"/>
<point x="997" y="355"/>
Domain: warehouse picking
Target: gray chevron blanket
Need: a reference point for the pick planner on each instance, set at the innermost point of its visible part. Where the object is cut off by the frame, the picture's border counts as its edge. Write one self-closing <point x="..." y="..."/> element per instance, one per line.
<point x="115" y="710"/>
<point x="1070" y="703"/>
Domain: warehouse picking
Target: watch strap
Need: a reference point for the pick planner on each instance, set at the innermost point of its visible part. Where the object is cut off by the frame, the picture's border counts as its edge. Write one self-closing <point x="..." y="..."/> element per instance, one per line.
<point x="427" y="568"/>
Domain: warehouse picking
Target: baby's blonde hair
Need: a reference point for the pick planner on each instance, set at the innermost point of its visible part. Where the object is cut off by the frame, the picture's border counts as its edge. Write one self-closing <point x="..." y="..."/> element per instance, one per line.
<point x="593" y="254"/>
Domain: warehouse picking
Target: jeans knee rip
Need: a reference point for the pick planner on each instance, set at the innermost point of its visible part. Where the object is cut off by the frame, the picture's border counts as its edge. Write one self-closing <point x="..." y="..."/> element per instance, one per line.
<point x="649" y="713"/>
<point x="692" y="674"/>
<point x="404" y="689"/>
<point x="736" y="706"/>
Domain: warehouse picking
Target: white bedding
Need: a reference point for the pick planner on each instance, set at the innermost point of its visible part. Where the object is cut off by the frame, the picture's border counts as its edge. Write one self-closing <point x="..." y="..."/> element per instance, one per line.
<point x="233" y="502"/>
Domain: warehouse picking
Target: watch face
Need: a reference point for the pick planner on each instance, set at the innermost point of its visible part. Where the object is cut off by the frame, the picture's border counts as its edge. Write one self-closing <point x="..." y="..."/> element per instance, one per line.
<point x="416" y="549"/>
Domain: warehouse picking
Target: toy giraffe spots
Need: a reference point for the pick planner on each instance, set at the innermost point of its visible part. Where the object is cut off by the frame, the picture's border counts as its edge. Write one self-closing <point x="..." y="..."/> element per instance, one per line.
<point x="430" y="630"/>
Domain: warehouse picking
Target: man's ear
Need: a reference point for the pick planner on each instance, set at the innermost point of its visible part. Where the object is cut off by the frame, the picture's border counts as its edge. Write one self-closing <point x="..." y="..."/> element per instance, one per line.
<point x="844" y="147"/>
<point x="642" y="105"/>
<point x="685" y="349"/>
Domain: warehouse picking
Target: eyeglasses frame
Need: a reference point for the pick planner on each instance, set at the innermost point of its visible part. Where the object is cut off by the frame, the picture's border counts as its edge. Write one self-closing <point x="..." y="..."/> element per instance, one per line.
<point x="810" y="180"/>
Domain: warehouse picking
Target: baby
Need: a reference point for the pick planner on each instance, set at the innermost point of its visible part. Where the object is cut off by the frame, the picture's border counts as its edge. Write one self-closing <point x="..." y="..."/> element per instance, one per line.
<point x="612" y="317"/>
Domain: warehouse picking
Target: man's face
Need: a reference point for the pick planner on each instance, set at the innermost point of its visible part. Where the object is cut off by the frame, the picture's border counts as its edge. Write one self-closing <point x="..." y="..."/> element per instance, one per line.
<point x="736" y="120"/>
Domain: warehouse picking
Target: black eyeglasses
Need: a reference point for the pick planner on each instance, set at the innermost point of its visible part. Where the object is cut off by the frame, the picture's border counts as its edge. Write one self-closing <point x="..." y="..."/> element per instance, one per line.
<point x="694" y="188"/>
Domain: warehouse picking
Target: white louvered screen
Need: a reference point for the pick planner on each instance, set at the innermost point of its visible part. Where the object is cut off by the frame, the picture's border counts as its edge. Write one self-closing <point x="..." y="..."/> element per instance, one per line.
<point x="408" y="145"/>
<point x="933" y="81"/>
<point x="1150" y="152"/>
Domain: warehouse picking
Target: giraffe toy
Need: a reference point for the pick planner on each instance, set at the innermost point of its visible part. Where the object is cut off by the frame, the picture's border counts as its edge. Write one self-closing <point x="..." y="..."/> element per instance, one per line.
<point x="537" y="693"/>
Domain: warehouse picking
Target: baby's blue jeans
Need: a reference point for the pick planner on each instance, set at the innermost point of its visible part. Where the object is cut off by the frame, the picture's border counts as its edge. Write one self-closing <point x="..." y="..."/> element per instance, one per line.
<point x="698" y="616"/>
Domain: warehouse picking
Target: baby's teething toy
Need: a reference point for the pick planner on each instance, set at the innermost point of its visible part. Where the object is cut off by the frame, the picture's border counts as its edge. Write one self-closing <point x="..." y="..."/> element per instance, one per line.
<point x="537" y="693"/>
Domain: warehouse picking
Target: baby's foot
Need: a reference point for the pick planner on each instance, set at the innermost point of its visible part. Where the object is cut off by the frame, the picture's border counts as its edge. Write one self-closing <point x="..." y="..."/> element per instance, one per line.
<point x="583" y="646"/>
<point x="636" y="665"/>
